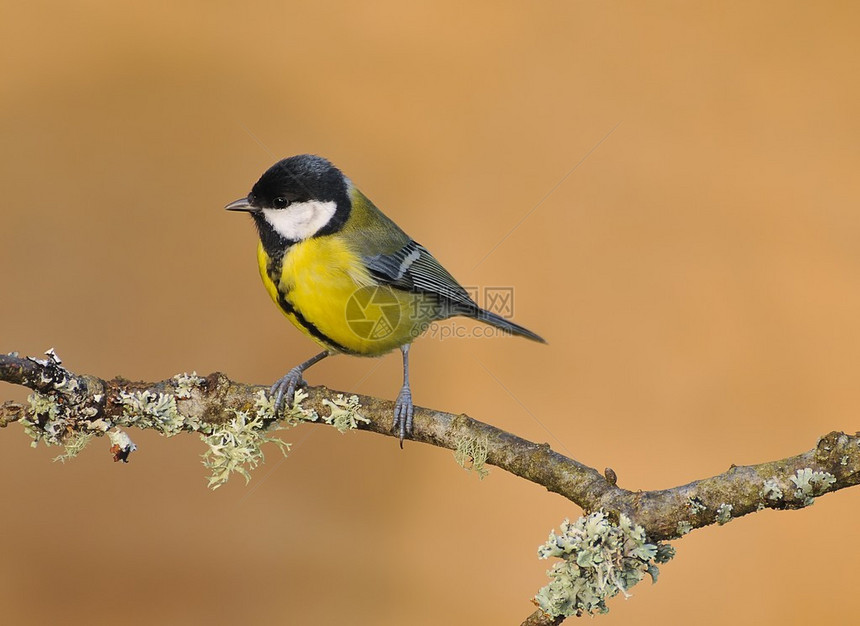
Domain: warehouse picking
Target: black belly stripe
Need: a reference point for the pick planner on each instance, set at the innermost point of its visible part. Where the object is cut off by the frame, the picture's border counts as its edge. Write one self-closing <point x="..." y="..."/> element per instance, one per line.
<point x="274" y="270"/>
<point x="288" y="307"/>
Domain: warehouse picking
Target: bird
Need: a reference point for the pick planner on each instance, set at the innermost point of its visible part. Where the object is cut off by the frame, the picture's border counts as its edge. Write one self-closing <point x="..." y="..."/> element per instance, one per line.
<point x="346" y="275"/>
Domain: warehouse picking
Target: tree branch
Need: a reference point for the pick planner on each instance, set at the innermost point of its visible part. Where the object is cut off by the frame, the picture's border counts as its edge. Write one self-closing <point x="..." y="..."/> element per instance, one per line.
<point x="92" y="405"/>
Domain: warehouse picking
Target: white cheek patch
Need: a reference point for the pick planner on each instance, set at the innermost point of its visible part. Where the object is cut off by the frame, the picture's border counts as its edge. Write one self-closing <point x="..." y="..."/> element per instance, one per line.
<point x="300" y="220"/>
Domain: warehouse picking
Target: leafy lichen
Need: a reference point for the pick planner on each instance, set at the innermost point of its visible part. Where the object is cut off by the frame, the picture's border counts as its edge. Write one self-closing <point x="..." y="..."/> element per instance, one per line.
<point x="600" y="558"/>
<point x="186" y="383"/>
<point x="344" y="413"/>
<point x="235" y="446"/>
<point x="724" y="513"/>
<point x="45" y="420"/>
<point x="62" y="416"/>
<point x="771" y="490"/>
<point x="148" y="409"/>
<point x="810" y="483"/>
<point x="293" y="415"/>
<point x="67" y="416"/>
<point x="471" y="454"/>
<point x="684" y="527"/>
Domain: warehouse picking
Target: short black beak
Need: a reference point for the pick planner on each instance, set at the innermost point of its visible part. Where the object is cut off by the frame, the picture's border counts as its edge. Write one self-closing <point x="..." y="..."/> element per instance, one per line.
<point x="241" y="204"/>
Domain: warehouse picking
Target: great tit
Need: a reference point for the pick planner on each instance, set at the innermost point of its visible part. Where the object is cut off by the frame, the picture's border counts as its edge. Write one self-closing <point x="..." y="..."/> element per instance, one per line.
<point x="346" y="275"/>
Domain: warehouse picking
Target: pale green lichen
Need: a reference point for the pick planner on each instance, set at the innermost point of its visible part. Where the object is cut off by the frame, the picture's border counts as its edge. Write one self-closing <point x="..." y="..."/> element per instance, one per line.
<point x="696" y="505"/>
<point x="684" y="527"/>
<point x="99" y="426"/>
<point x="471" y="454"/>
<point x="344" y="413"/>
<point x="66" y="417"/>
<point x="61" y="416"/>
<point x="600" y="558"/>
<point x="186" y="383"/>
<point x="724" y="513"/>
<point x="147" y="409"/>
<point x="771" y="490"/>
<point x="844" y="460"/>
<point x="74" y="443"/>
<point x="45" y="420"/>
<point x="264" y="404"/>
<point x="292" y="415"/>
<point x="810" y="483"/>
<point x="235" y="446"/>
<point x="66" y="425"/>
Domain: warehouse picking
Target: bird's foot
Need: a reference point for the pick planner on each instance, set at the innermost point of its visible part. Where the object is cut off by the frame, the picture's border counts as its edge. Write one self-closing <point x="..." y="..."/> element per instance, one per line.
<point x="284" y="388"/>
<point x="403" y="410"/>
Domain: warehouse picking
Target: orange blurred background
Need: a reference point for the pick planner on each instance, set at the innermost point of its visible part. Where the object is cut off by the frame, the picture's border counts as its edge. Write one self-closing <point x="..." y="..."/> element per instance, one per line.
<point x="697" y="274"/>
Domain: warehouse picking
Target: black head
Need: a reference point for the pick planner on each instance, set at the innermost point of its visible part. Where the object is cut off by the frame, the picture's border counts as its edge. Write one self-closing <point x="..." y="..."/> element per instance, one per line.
<point x="298" y="179"/>
<point x="297" y="198"/>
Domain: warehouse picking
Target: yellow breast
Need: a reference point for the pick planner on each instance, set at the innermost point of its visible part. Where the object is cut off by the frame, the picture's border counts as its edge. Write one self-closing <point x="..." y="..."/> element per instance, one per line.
<point x="325" y="290"/>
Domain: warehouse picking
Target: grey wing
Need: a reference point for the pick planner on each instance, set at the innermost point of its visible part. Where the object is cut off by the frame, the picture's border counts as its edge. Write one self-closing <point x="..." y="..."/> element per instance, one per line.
<point x="413" y="268"/>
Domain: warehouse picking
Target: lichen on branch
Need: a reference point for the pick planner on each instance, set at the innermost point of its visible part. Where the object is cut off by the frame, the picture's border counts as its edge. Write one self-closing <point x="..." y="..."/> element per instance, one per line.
<point x="599" y="559"/>
<point x="234" y="419"/>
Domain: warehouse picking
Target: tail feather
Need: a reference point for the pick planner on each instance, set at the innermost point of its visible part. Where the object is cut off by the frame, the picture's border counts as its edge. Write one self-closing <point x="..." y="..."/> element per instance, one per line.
<point x="488" y="317"/>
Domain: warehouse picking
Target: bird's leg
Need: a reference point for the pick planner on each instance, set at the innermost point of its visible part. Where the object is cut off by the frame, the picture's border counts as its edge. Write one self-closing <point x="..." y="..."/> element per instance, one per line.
<point x="284" y="388"/>
<point x="403" y="408"/>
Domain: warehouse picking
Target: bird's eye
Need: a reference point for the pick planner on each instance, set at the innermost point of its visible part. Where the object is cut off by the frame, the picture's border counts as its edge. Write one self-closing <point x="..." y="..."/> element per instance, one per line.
<point x="280" y="202"/>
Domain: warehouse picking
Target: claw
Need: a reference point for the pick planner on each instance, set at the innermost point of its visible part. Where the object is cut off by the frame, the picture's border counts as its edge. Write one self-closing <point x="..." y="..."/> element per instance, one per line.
<point x="284" y="388"/>
<point x="403" y="410"/>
